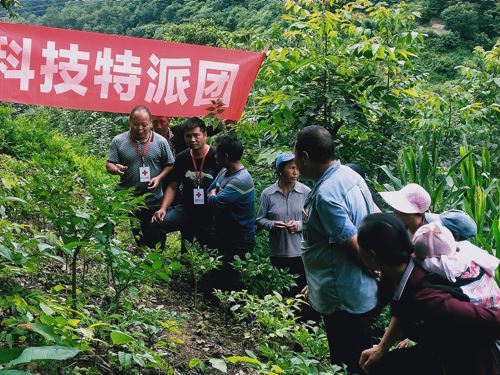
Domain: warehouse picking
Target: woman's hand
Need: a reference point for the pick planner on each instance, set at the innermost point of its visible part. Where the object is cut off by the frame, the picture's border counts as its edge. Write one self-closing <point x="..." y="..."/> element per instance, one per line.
<point x="370" y="356"/>
<point x="292" y="226"/>
<point x="279" y="224"/>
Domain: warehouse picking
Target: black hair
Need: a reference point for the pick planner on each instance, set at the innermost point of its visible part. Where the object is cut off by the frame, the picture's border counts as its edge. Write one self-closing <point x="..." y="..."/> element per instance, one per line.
<point x="193" y="123"/>
<point x="139" y="108"/>
<point x="230" y="146"/>
<point x="317" y="142"/>
<point x="357" y="168"/>
<point x="385" y="235"/>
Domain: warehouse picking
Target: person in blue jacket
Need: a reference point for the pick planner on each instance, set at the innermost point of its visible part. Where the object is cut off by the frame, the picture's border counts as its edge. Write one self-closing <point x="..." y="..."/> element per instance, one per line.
<point x="231" y="197"/>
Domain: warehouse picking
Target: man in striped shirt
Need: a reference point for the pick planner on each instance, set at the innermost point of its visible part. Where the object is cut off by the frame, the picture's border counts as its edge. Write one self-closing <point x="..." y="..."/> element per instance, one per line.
<point x="231" y="196"/>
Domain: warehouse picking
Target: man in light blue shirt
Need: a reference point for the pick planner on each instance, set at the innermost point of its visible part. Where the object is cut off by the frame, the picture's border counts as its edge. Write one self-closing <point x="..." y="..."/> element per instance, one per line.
<point x="339" y="287"/>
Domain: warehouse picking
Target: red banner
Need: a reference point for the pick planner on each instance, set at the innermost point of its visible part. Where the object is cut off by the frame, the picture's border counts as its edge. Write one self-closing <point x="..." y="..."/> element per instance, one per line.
<point x="110" y="73"/>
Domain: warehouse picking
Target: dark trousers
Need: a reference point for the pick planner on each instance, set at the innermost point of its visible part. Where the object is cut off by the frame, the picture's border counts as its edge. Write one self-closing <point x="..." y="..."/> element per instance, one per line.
<point x="295" y="266"/>
<point x="147" y="234"/>
<point x="455" y="357"/>
<point x="408" y="361"/>
<point x="348" y="335"/>
<point x="226" y="278"/>
<point x="190" y="225"/>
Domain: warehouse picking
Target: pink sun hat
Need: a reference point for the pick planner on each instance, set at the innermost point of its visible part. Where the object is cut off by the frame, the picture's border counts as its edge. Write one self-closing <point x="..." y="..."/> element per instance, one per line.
<point x="411" y="199"/>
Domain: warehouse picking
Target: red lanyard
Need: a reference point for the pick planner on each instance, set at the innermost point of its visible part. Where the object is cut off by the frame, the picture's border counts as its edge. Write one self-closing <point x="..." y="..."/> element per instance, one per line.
<point x="146" y="147"/>
<point x="199" y="172"/>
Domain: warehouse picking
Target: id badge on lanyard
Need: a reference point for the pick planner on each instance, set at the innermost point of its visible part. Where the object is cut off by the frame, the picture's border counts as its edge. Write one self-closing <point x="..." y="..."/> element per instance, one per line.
<point x="199" y="196"/>
<point x="144" y="172"/>
<point x="199" y="193"/>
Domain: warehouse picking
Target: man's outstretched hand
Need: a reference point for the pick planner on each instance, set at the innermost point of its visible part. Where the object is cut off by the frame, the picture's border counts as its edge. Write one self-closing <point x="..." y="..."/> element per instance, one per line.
<point x="159" y="215"/>
<point x="154" y="183"/>
<point x="120" y="169"/>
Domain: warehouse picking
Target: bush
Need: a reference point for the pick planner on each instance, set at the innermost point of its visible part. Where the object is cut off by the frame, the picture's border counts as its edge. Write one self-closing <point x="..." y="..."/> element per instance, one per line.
<point x="463" y="18"/>
<point x="446" y="41"/>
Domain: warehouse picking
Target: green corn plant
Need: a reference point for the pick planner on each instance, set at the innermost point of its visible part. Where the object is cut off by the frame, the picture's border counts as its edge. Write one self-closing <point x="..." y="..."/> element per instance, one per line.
<point x="495" y="229"/>
<point x="481" y="199"/>
<point x="423" y="167"/>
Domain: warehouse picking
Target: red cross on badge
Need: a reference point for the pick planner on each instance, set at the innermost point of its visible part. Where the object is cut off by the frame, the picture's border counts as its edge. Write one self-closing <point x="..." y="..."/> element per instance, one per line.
<point x="198" y="195"/>
<point x="144" y="172"/>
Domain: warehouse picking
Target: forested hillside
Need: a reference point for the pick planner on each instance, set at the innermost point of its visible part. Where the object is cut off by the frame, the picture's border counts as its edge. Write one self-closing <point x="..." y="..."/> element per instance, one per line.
<point x="411" y="92"/>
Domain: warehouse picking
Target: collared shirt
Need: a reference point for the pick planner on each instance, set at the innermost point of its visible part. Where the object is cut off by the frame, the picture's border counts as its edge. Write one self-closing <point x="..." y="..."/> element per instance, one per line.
<point x="274" y="206"/>
<point x="159" y="155"/>
<point x="404" y="280"/>
<point x="334" y="209"/>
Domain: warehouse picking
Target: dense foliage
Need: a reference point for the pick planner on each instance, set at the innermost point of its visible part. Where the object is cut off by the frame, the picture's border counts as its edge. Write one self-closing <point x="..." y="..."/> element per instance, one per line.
<point x="74" y="285"/>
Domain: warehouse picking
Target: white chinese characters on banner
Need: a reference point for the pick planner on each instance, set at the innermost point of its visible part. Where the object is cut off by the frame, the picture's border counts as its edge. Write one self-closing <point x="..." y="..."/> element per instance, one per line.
<point x="15" y="61"/>
<point x="70" y="63"/>
<point x="115" y="74"/>
<point x="215" y="81"/>
<point x="172" y="77"/>
<point x="122" y="71"/>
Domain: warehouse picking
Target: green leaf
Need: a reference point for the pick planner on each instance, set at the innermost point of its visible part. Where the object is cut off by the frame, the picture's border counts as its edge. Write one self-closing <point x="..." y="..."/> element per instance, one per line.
<point x="125" y="359"/>
<point x="396" y="182"/>
<point x="12" y="199"/>
<point x="7" y="355"/>
<point x="375" y="47"/>
<point x="5" y="252"/>
<point x="46" y="331"/>
<point x="14" y="372"/>
<point x="46" y="309"/>
<point x="218" y="364"/>
<point x="194" y="362"/>
<point x="58" y="288"/>
<point x="380" y="53"/>
<point x="391" y="100"/>
<point x="120" y="338"/>
<point x="43" y="353"/>
<point x="82" y="214"/>
<point x="237" y="358"/>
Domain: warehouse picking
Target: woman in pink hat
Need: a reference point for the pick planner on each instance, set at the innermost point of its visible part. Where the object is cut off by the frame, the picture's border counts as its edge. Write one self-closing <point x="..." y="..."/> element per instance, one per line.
<point x="411" y="204"/>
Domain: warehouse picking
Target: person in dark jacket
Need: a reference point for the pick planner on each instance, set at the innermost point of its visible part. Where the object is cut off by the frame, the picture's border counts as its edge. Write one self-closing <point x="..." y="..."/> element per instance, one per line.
<point x="453" y="335"/>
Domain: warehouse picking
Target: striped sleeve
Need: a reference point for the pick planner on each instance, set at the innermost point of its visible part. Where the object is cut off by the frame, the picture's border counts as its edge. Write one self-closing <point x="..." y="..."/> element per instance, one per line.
<point x="235" y="190"/>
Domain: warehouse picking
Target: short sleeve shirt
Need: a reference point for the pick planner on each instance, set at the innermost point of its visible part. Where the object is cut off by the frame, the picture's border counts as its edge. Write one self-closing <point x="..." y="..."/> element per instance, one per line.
<point x="185" y="175"/>
<point x="159" y="155"/>
<point x="334" y="208"/>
